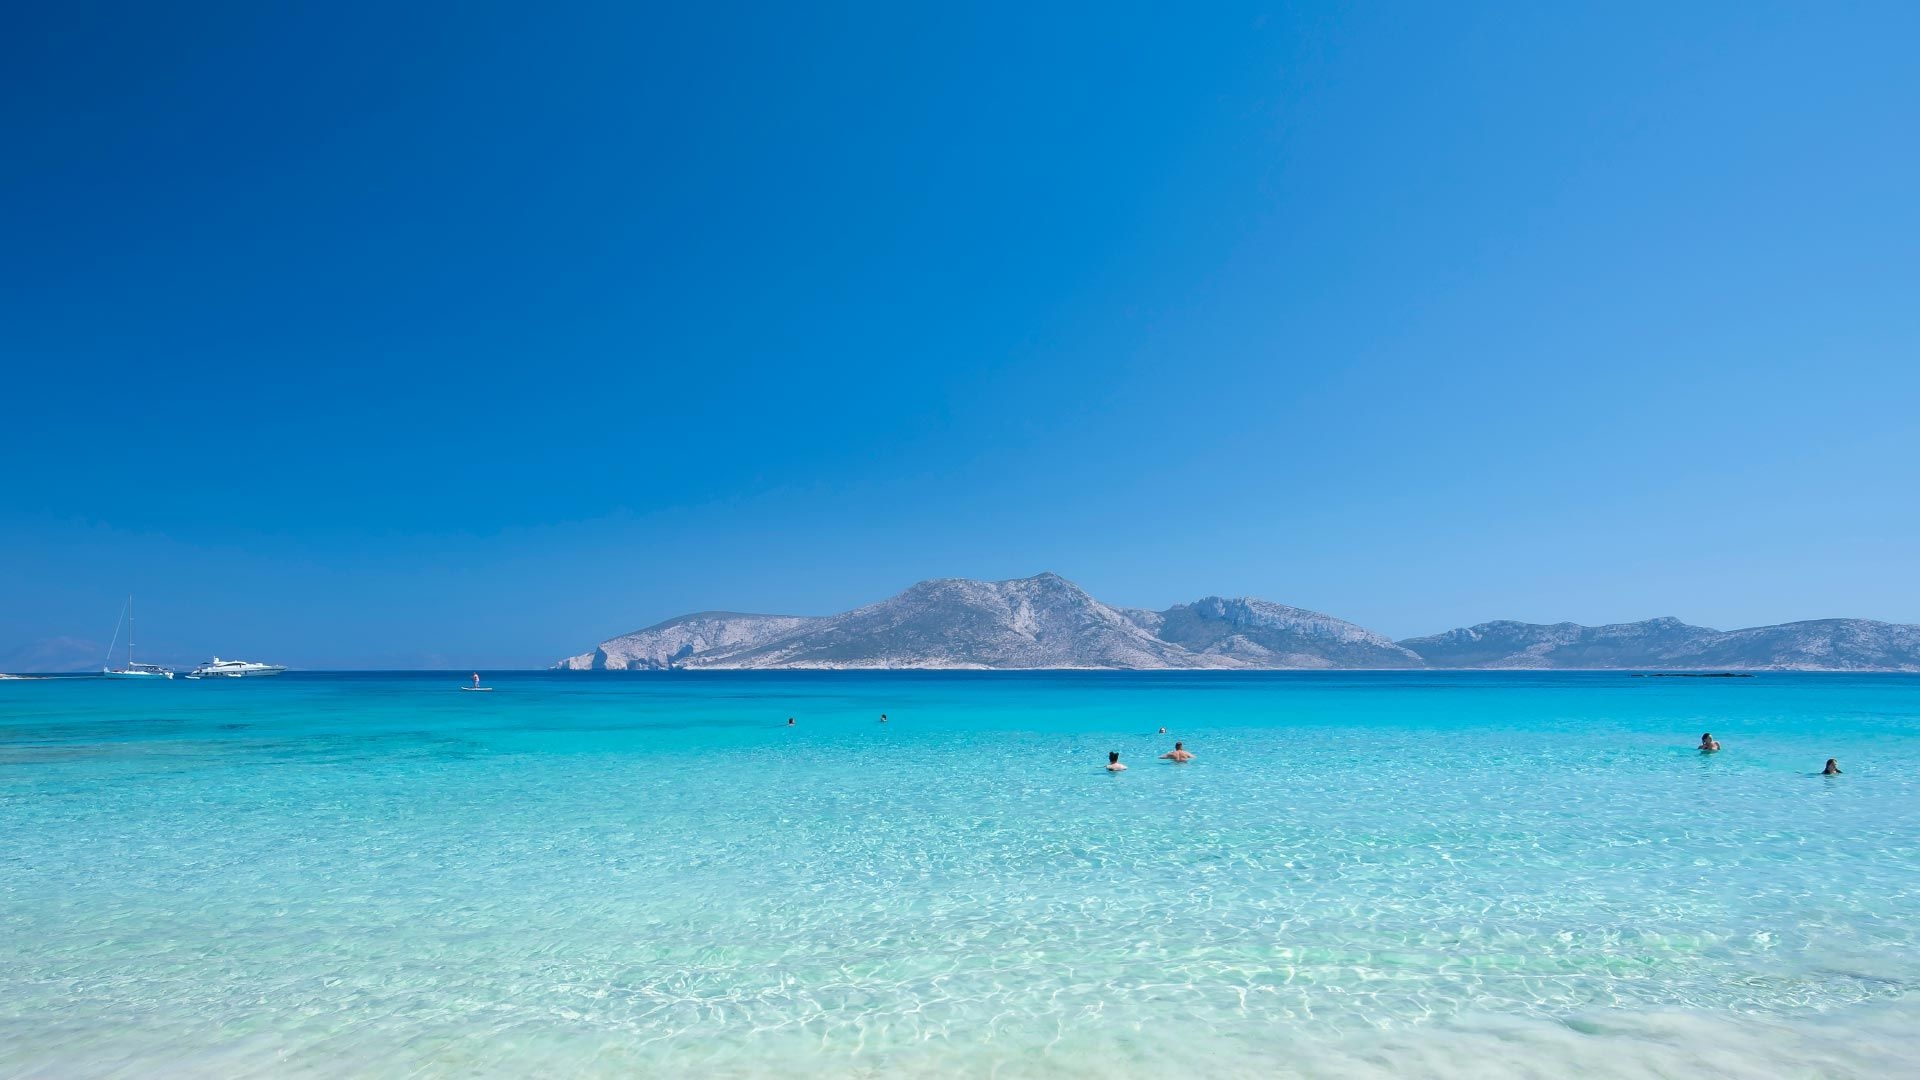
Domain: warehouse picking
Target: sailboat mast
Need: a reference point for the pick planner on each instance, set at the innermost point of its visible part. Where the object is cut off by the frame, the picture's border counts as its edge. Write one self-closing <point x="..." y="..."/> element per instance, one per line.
<point x="129" y="631"/>
<point x="125" y="613"/>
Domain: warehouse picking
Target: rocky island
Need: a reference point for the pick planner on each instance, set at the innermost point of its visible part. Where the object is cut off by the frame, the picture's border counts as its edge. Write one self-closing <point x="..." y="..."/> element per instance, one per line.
<point x="1048" y="622"/>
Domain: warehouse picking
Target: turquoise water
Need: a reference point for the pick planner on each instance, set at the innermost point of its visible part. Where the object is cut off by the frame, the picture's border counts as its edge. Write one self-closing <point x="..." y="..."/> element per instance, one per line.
<point x="1382" y="874"/>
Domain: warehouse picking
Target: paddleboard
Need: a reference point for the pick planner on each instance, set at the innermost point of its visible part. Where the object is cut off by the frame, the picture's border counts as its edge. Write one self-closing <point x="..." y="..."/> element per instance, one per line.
<point x="478" y="689"/>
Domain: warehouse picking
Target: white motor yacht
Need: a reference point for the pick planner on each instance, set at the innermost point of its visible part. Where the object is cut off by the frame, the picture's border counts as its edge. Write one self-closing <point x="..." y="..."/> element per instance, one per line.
<point x="217" y="668"/>
<point x="132" y="670"/>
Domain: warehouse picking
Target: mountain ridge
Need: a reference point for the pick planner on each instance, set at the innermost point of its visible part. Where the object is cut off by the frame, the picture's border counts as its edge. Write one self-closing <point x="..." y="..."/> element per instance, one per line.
<point x="1043" y="621"/>
<point x="1669" y="644"/>
<point x="1047" y="622"/>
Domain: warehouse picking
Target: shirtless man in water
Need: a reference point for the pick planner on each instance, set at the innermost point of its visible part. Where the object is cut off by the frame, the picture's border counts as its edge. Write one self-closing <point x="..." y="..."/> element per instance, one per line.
<point x="1178" y="753"/>
<point x="1113" y="762"/>
<point x="1707" y="743"/>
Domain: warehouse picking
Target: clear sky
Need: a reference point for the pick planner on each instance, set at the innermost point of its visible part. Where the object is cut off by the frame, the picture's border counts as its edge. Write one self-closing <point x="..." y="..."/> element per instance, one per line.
<point x="470" y="334"/>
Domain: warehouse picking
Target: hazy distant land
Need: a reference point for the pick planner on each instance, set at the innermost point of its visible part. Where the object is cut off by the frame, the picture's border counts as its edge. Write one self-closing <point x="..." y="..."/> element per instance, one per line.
<point x="1047" y="621"/>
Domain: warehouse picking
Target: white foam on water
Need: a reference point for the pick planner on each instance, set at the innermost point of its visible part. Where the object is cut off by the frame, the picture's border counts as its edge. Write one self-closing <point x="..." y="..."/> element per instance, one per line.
<point x="1866" y="1042"/>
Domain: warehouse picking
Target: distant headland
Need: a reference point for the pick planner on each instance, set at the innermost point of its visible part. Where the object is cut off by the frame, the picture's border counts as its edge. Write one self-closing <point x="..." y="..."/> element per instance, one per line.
<point x="1048" y="622"/>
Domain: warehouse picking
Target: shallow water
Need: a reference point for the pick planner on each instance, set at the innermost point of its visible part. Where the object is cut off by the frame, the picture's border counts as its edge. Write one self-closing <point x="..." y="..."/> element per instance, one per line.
<point x="1381" y="874"/>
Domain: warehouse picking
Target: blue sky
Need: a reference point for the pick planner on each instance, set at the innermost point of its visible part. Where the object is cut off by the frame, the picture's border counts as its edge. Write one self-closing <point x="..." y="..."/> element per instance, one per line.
<point x="448" y="334"/>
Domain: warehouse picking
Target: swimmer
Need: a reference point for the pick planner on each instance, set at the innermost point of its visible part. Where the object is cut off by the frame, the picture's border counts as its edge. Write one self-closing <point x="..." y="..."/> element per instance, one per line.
<point x="789" y="721"/>
<point x="1163" y="731"/>
<point x="1179" y="753"/>
<point x="1707" y="745"/>
<point x="1832" y="769"/>
<point x="883" y="718"/>
<point x="1113" y="762"/>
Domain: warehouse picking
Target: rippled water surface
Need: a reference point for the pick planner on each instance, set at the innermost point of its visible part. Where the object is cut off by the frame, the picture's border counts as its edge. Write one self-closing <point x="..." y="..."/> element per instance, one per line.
<point x="1359" y="875"/>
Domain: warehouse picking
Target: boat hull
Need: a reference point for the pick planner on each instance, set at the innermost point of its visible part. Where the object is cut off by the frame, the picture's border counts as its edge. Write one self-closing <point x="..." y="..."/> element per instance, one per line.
<point x="137" y="674"/>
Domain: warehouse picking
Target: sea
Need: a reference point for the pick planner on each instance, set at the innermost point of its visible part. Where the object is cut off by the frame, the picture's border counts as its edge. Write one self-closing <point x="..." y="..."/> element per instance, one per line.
<point x="1392" y="874"/>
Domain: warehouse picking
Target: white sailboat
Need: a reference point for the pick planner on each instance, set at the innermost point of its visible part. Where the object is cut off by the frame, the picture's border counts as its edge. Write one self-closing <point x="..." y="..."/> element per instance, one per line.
<point x="131" y="670"/>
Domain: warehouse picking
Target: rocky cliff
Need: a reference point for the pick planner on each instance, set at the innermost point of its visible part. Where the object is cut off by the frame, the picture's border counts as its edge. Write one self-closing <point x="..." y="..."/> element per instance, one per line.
<point x="667" y="644"/>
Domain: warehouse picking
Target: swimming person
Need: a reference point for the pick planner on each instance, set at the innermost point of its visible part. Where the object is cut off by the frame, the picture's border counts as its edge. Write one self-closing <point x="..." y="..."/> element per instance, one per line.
<point x="883" y="718"/>
<point x="1179" y="753"/>
<point x="1832" y="769"/>
<point x="1707" y="745"/>
<point x="1163" y="731"/>
<point x="1113" y="762"/>
<point x="789" y="721"/>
